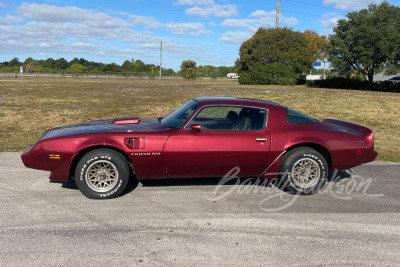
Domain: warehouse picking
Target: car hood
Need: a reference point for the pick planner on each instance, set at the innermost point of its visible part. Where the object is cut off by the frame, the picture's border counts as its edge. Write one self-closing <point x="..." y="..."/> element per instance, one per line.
<point x="104" y="126"/>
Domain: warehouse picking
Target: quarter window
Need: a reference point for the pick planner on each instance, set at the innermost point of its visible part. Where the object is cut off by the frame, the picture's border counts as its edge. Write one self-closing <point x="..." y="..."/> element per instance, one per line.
<point x="297" y="117"/>
<point x="230" y="118"/>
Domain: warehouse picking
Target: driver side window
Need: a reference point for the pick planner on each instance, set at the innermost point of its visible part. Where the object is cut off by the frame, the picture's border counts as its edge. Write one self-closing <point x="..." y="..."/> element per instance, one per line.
<point x="230" y="118"/>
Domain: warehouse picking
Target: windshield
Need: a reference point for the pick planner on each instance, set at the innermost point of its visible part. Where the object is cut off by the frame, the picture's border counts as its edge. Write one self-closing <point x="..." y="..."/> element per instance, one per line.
<point x="177" y="118"/>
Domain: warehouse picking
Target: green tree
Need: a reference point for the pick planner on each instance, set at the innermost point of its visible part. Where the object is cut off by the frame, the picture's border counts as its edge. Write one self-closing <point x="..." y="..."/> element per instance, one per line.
<point x="274" y="56"/>
<point x="113" y="67"/>
<point x="48" y="64"/>
<point x="188" y="64"/>
<point x="366" y="40"/>
<point x="190" y="73"/>
<point x="128" y="66"/>
<point x="61" y="64"/>
<point x="77" y="68"/>
<point x="189" y="69"/>
<point x="140" y="66"/>
<point x="29" y="61"/>
<point x="168" y="72"/>
<point x="14" y="63"/>
<point x="207" y="71"/>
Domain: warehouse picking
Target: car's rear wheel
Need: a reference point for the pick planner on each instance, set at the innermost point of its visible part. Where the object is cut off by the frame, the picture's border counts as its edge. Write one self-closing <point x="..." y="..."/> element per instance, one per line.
<point x="102" y="174"/>
<point x="303" y="171"/>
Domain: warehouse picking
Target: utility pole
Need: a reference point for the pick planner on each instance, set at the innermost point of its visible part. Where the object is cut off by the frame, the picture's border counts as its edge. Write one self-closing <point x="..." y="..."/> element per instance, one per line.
<point x="277" y="13"/>
<point x="160" y="57"/>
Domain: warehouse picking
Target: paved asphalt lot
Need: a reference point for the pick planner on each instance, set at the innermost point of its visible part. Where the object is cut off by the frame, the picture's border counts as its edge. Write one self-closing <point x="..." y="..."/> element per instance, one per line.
<point x="196" y="222"/>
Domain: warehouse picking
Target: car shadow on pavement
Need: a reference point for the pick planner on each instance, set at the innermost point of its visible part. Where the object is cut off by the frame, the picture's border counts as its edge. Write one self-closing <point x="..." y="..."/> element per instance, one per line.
<point x="338" y="176"/>
<point x="68" y="185"/>
<point x="333" y="177"/>
<point x="133" y="182"/>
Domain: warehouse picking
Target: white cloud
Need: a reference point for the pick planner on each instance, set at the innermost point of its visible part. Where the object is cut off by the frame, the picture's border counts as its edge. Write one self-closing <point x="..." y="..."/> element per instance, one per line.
<point x="207" y="8"/>
<point x="260" y="18"/>
<point x="8" y="19"/>
<point x="350" y="5"/>
<point x="193" y="29"/>
<point x="52" y="13"/>
<point x="2" y="6"/>
<point x="44" y="12"/>
<point x="168" y="46"/>
<point x="240" y="23"/>
<point x="290" y="22"/>
<point x="147" y="21"/>
<point x="329" y="21"/>
<point x="259" y="13"/>
<point x="51" y="34"/>
<point x="236" y="37"/>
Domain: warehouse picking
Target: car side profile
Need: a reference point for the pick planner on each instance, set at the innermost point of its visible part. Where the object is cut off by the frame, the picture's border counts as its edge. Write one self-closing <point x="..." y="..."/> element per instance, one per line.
<point x="205" y="137"/>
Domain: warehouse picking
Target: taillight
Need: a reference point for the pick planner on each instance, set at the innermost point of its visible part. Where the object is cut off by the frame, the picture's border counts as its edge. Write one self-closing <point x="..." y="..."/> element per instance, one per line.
<point x="370" y="140"/>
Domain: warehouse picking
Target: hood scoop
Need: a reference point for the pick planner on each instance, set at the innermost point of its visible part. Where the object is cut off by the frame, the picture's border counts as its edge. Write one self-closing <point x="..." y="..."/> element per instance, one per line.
<point x="128" y="120"/>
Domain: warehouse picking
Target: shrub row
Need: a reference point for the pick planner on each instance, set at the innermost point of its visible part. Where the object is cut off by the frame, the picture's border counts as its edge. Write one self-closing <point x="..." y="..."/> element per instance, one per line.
<point x="355" y="84"/>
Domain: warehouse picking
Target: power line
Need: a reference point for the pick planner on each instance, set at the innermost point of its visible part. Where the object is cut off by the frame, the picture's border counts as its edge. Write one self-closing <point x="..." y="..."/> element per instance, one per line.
<point x="312" y="4"/>
<point x="301" y="13"/>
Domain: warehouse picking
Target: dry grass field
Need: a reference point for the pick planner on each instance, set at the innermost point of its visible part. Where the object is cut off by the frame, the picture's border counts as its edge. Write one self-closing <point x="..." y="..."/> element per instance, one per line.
<point x="30" y="105"/>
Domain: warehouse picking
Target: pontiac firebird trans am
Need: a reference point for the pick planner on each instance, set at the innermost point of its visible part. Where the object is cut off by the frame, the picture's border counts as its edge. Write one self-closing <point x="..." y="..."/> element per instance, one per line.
<point x="205" y="137"/>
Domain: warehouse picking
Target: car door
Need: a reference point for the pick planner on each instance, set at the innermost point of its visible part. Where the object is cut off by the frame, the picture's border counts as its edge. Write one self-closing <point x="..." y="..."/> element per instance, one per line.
<point x="217" y="139"/>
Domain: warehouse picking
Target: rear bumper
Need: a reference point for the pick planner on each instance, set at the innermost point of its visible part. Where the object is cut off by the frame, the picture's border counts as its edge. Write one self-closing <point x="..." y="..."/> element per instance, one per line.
<point x="351" y="158"/>
<point x="370" y="156"/>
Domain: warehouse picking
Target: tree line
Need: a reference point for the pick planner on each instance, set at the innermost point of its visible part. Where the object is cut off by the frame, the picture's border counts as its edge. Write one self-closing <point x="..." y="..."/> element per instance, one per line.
<point x="129" y="67"/>
<point x="81" y="66"/>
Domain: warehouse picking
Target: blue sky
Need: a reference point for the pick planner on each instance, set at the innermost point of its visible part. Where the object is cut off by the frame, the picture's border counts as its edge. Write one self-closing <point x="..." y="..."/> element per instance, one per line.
<point x="207" y="31"/>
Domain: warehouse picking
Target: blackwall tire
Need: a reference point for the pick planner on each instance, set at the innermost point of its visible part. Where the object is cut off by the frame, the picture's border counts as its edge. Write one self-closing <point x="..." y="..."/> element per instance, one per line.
<point x="303" y="171"/>
<point x="102" y="174"/>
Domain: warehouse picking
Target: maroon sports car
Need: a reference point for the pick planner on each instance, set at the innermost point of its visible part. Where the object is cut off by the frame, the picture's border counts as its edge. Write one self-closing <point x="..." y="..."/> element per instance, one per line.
<point x="205" y="137"/>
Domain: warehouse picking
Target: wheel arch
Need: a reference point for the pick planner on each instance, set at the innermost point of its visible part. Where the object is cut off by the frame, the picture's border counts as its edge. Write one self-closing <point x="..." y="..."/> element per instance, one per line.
<point x="320" y="148"/>
<point x="86" y="150"/>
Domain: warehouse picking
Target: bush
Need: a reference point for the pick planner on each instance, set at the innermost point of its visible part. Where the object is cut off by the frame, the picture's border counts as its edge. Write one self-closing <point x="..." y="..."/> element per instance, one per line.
<point x="355" y="84"/>
<point x="274" y="56"/>
<point x="275" y="73"/>
<point x="190" y="73"/>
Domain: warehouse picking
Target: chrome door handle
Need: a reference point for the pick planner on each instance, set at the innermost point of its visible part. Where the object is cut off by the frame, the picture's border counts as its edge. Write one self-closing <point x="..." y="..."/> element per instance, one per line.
<point x="261" y="139"/>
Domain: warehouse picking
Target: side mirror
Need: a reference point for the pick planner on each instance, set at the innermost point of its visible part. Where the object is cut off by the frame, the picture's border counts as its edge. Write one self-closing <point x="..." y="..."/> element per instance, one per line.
<point x="195" y="127"/>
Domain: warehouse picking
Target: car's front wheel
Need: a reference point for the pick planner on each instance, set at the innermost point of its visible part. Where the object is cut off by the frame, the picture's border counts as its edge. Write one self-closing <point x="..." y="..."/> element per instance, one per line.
<point x="303" y="171"/>
<point x="102" y="174"/>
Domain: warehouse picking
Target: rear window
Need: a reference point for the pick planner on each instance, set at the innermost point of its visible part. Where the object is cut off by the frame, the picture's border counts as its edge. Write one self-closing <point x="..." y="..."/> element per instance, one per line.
<point x="297" y="117"/>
